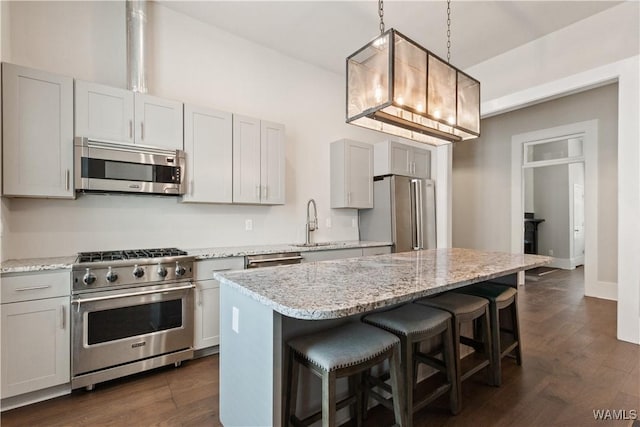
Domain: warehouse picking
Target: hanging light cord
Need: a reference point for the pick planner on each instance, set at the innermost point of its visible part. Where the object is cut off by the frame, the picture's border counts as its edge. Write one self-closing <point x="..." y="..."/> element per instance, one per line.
<point x="448" y="31"/>
<point x="381" y="14"/>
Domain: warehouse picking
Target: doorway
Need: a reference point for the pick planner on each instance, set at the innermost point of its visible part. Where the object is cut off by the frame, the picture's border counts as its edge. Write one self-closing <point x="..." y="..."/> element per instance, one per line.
<point x="562" y="146"/>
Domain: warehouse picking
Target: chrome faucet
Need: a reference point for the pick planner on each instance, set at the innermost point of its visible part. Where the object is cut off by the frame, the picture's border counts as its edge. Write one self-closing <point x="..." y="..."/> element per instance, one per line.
<point x="311" y="225"/>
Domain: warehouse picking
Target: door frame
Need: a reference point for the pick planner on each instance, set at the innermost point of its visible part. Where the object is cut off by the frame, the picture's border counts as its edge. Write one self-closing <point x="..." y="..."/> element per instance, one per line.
<point x="589" y="132"/>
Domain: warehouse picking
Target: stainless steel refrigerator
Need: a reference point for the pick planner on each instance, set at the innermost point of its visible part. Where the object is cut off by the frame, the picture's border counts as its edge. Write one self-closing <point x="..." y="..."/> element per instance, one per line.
<point x="403" y="213"/>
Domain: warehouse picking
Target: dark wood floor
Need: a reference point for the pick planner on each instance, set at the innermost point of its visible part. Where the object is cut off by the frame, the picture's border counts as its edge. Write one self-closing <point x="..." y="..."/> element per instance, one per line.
<point x="573" y="364"/>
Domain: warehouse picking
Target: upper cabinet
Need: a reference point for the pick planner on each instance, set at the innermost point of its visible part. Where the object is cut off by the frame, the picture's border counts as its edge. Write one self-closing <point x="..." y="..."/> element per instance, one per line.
<point x="208" y="147"/>
<point x="258" y="161"/>
<point x="351" y="174"/>
<point x="395" y="158"/>
<point x="119" y="115"/>
<point x="37" y="133"/>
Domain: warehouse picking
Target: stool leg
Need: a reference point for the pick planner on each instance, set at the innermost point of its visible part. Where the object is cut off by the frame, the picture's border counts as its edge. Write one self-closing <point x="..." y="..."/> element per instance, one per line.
<point x="448" y="355"/>
<point x="366" y="386"/>
<point x="355" y="389"/>
<point x="407" y="368"/>
<point x="516" y="330"/>
<point x="496" y="353"/>
<point x="328" y="399"/>
<point x="397" y="388"/>
<point x="458" y="369"/>
<point x="486" y="340"/>
<point x="292" y="387"/>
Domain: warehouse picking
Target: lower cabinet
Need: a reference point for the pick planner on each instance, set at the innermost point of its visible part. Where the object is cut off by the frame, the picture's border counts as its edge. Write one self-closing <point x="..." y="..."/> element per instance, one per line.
<point x="207" y="299"/>
<point x="35" y="333"/>
<point x="330" y="254"/>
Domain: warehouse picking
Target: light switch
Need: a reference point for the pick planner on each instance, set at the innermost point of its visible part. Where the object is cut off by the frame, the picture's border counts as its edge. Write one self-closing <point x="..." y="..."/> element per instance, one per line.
<point x="248" y="225"/>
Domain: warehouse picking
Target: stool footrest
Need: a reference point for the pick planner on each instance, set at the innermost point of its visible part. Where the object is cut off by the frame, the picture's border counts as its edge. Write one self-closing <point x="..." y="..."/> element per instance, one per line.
<point x="431" y="397"/>
<point x="431" y="361"/>
<point x="317" y="416"/>
<point x="476" y="345"/>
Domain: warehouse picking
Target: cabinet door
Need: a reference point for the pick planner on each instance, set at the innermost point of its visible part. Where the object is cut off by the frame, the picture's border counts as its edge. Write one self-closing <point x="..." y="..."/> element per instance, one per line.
<point x="207" y="314"/>
<point x="314" y="256"/>
<point x="208" y="146"/>
<point x="158" y="122"/>
<point x="35" y="345"/>
<point x="103" y="112"/>
<point x="246" y="160"/>
<point x="421" y="163"/>
<point x="272" y="163"/>
<point x="359" y="175"/>
<point x="37" y="133"/>
<point x="400" y="157"/>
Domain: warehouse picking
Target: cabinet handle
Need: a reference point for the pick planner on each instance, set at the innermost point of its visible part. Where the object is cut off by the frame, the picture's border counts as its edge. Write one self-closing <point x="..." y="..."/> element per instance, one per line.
<point x="199" y="298"/>
<point x="141" y="131"/>
<point x="348" y="197"/>
<point x="32" y="288"/>
<point x="63" y="316"/>
<point x="265" y="193"/>
<point x="130" y="129"/>
<point x="66" y="180"/>
<point x="191" y="189"/>
<point x="258" y="192"/>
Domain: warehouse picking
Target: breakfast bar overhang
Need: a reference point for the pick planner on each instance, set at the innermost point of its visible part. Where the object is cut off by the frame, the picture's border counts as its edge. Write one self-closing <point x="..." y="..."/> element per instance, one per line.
<point x="261" y="309"/>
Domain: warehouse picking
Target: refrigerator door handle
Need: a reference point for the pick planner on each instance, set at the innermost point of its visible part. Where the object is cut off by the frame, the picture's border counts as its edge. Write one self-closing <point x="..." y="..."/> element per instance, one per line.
<point x="415" y="218"/>
<point x="419" y="214"/>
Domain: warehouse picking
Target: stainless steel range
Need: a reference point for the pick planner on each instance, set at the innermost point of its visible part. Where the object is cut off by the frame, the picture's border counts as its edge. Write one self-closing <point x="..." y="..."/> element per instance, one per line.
<point x="132" y="310"/>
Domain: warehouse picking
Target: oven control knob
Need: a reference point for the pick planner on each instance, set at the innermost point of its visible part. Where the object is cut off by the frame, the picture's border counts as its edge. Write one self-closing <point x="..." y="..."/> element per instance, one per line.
<point x="162" y="271"/>
<point x="111" y="276"/>
<point x="138" y="271"/>
<point x="88" y="278"/>
<point x="180" y="270"/>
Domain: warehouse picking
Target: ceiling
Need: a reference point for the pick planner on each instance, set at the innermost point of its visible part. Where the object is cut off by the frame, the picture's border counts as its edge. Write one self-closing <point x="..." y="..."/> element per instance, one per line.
<point x="324" y="33"/>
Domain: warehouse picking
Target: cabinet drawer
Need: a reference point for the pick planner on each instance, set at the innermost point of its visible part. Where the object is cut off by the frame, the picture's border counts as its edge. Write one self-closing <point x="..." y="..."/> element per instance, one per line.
<point x="33" y="286"/>
<point x="331" y="254"/>
<point x="206" y="268"/>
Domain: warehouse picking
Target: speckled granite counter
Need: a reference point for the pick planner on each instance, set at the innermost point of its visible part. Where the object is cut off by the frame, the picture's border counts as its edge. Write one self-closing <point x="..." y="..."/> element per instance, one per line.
<point x="261" y="309"/>
<point x="334" y="289"/>
<point x="59" y="263"/>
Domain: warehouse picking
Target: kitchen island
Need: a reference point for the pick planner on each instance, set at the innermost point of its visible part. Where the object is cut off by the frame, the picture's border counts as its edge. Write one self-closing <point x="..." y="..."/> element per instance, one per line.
<point x="261" y="309"/>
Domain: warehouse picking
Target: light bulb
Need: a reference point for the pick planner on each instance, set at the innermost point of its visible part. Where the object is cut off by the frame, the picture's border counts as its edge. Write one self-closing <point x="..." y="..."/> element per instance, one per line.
<point x="451" y="120"/>
<point x="378" y="94"/>
<point x="420" y="107"/>
<point x="400" y="100"/>
<point x="437" y="114"/>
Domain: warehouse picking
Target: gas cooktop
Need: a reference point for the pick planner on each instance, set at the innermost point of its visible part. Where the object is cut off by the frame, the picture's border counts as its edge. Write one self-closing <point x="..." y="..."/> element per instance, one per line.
<point x="84" y="257"/>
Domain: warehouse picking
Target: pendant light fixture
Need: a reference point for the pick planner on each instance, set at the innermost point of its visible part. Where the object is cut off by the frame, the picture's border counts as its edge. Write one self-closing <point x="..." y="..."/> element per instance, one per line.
<point x="396" y="86"/>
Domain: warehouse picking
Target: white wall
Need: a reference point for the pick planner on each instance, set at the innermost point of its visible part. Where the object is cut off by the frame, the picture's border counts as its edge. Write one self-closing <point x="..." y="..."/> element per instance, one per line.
<point x="195" y="63"/>
<point x="573" y="59"/>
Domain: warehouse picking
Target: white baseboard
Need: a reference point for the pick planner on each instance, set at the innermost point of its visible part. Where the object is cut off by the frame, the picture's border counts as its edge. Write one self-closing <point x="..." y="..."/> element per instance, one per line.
<point x="602" y="290"/>
<point x="563" y="263"/>
<point x="35" y="396"/>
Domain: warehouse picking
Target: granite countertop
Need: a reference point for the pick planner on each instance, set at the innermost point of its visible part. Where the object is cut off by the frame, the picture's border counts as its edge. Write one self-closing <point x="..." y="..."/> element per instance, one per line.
<point x="340" y="288"/>
<point x="26" y="265"/>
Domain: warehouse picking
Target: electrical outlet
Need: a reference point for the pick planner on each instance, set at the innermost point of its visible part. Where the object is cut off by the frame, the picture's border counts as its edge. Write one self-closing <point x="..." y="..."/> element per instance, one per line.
<point x="235" y="318"/>
<point x="550" y="252"/>
<point x="248" y="224"/>
<point x="328" y="222"/>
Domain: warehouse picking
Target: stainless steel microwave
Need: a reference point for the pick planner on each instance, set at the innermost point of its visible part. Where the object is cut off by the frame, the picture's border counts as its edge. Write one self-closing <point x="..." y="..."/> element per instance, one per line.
<point x="103" y="166"/>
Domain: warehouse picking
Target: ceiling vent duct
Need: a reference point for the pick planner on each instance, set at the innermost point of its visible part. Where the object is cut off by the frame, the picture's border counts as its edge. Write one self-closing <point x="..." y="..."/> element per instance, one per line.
<point x="136" y="24"/>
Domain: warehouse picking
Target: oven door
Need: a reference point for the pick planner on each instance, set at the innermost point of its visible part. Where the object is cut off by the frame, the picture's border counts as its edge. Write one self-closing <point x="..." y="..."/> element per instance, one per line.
<point x="116" y="327"/>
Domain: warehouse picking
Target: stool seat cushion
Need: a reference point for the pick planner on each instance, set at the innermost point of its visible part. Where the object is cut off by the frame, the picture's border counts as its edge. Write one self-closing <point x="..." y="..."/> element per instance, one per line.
<point x="343" y="346"/>
<point x="458" y="304"/>
<point x="410" y="319"/>
<point x="491" y="291"/>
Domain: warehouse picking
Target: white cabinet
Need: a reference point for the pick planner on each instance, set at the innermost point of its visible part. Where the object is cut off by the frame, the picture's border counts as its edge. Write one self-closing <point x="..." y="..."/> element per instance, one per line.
<point x="35" y="332"/>
<point x="351" y="174"/>
<point x="37" y="133"/>
<point x="207" y="299"/>
<point x="208" y="147"/>
<point x="119" y="115"/>
<point x="258" y="161"/>
<point x="395" y="158"/>
<point x="331" y="254"/>
<point x="103" y="112"/>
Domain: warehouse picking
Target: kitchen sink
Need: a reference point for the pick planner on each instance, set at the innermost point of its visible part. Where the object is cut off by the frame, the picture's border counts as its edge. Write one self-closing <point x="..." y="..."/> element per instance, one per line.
<point x="315" y="244"/>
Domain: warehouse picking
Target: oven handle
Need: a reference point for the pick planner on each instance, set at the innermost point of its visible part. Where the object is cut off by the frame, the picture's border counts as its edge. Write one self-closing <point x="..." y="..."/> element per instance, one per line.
<point x="132" y="294"/>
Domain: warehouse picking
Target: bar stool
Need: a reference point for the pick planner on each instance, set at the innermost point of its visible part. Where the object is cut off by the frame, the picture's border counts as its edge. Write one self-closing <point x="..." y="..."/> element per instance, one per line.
<point x="414" y="324"/>
<point x="466" y="308"/>
<point x="343" y="351"/>
<point x="499" y="297"/>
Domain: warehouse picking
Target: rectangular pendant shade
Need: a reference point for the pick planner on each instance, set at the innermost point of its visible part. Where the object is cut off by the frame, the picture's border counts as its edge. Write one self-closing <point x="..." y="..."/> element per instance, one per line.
<point x="398" y="87"/>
